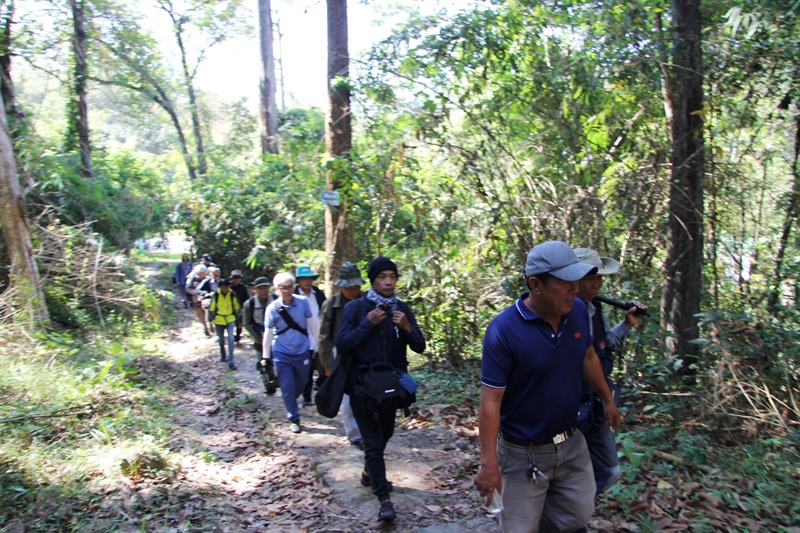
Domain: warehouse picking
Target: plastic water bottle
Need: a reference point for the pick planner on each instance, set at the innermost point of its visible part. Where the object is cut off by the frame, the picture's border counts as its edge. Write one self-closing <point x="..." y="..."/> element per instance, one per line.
<point x="495" y="507"/>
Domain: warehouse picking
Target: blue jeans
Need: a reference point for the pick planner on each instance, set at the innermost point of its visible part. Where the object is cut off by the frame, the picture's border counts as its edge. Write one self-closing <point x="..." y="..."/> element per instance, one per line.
<point x="603" y="451"/>
<point x="563" y="497"/>
<point x="221" y="337"/>
<point x="292" y="370"/>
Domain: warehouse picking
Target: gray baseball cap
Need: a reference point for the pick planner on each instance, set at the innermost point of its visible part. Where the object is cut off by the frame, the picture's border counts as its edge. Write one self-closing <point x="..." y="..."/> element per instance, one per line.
<point x="557" y="259"/>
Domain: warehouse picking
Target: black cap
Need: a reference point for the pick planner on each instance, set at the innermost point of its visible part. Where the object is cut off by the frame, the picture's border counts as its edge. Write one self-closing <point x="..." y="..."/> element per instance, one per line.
<point x="224" y="281"/>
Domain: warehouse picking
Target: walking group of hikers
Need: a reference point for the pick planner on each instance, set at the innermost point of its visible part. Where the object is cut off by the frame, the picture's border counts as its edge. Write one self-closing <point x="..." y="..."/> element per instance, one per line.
<point x="547" y="409"/>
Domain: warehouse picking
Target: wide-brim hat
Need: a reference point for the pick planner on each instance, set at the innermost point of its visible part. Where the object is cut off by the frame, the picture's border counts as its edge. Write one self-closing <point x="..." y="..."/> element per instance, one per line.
<point x="604" y="265"/>
<point x="349" y="276"/>
<point x="557" y="259"/>
<point x="305" y="272"/>
<point x="261" y="282"/>
<point x="236" y="274"/>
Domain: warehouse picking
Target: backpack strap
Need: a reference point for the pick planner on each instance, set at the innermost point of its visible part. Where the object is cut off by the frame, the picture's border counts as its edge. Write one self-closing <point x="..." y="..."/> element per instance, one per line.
<point x="251" y="302"/>
<point x="289" y="322"/>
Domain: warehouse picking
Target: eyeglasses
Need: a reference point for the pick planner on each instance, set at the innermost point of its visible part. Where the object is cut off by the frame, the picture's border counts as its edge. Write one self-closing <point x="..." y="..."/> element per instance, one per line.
<point x="285" y="287"/>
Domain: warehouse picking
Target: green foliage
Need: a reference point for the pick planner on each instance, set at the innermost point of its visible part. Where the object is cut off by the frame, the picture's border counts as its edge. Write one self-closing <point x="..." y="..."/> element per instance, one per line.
<point x="121" y="201"/>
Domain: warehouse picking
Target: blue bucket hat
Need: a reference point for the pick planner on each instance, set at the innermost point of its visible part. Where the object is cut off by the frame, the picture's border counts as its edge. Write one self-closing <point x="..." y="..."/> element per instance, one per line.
<point x="304" y="271"/>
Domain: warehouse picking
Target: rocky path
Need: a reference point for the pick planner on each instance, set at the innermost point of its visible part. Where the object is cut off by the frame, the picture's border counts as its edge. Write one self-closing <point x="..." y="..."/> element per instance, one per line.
<point x="241" y="469"/>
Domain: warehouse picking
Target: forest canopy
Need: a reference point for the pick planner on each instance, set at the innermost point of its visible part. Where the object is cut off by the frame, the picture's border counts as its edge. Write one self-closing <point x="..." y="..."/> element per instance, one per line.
<point x="478" y="131"/>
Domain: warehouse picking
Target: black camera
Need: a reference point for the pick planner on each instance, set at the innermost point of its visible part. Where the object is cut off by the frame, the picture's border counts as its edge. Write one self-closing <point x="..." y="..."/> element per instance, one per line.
<point x="384" y="307"/>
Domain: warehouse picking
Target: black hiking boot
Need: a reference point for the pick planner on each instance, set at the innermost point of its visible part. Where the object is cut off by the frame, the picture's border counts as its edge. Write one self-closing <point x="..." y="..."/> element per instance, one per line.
<point x="386" y="513"/>
<point x="365" y="481"/>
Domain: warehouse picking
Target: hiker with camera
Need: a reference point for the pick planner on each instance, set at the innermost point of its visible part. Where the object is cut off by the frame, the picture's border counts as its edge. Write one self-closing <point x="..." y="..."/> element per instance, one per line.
<point x="599" y="438"/>
<point x="288" y="331"/>
<point x="253" y="319"/>
<point x="374" y="334"/>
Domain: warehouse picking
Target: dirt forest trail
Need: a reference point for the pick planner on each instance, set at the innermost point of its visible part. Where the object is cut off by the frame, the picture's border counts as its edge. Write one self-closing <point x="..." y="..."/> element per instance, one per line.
<point x="241" y="469"/>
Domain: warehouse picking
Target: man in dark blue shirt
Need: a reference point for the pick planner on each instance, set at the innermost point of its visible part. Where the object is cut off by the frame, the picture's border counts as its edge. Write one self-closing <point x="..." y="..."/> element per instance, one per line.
<point x="535" y="354"/>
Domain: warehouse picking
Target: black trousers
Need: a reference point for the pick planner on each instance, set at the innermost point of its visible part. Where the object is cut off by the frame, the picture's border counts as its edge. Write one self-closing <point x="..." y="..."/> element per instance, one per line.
<point x="313" y="364"/>
<point x="375" y="434"/>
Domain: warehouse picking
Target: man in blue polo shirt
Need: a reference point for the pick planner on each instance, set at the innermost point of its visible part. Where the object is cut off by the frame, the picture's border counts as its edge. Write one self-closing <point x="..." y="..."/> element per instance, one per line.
<point x="535" y="355"/>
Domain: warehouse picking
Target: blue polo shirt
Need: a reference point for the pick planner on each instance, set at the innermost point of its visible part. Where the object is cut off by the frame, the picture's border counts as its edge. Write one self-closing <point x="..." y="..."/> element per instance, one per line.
<point x="291" y="341"/>
<point x="541" y="371"/>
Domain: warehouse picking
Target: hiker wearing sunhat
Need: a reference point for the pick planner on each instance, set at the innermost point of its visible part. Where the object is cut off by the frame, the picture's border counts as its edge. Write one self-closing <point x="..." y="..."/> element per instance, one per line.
<point x="599" y="438"/>
<point x="534" y="353"/>
<point x="349" y="283"/>
<point x="305" y="278"/>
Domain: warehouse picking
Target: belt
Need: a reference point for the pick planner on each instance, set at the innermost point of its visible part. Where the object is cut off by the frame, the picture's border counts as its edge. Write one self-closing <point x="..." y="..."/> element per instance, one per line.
<point x="557" y="439"/>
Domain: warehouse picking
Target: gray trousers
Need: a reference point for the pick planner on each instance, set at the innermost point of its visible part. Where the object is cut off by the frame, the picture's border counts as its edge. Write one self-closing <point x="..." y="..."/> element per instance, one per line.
<point x="562" y="499"/>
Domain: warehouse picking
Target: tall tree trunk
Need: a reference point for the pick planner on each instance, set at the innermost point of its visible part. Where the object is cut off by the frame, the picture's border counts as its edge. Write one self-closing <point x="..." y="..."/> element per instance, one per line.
<point x="269" y="106"/>
<point x="339" y="232"/>
<point x="792" y="212"/>
<point x="177" y="26"/>
<point x="24" y="277"/>
<point x="14" y="115"/>
<point x="78" y="128"/>
<point x="684" y="104"/>
<point x="280" y="65"/>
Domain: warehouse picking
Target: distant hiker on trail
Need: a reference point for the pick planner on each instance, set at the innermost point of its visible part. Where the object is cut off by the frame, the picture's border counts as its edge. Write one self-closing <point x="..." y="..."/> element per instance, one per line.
<point x="289" y="329"/>
<point x="534" y="354"/>
<point x="182" y="272"/>
<point x="254" y="313"/>
<point x="207" y="261"/>
<point x="375" y="332"/>
<point x="195" y="292"/>
<point x="223" y="309"/>
<point x="240" y="290"/>
<point x="599" y="437"/>
<point x="305" y="285"/>
<point x="350" y="282"/>
<point x="208" y="287"/>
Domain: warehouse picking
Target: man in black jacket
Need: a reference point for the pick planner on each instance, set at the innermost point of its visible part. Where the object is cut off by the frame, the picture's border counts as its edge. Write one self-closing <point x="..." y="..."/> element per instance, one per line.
<point x="377" y="328"/>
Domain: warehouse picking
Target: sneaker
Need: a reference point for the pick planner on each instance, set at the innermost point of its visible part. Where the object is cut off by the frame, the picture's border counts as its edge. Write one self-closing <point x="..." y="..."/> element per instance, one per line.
<point x="207" y="333"/>
<point x="295" y="427"/>
<point x="357" y="444"/>
<point x="386" y="513"/>
<point x="307" y="402"/>
<point x="231" y="367"/>
<point x="223" y="358"/>
<point x="237" y="338"/>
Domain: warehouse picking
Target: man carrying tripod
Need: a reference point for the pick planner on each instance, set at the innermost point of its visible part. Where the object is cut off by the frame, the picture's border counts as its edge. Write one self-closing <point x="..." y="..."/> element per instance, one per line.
<point x="599" y="438"/>
<point x="253" y="319"/>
